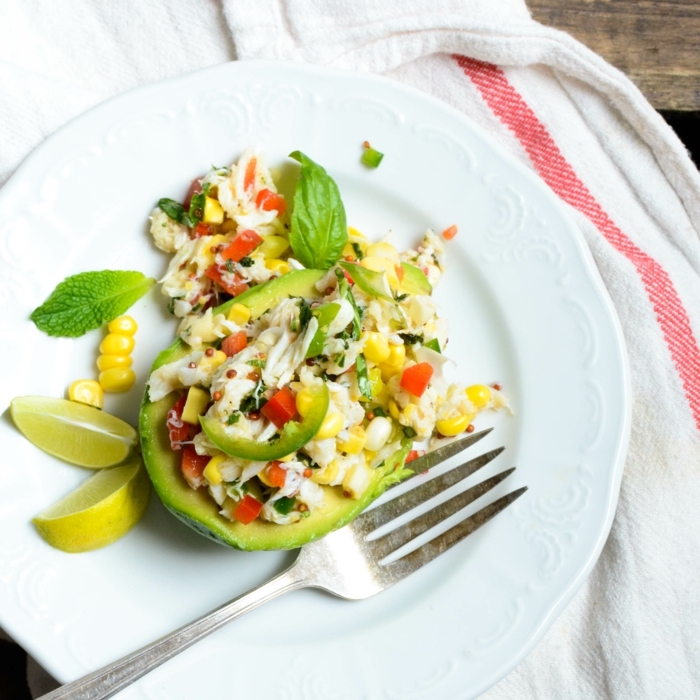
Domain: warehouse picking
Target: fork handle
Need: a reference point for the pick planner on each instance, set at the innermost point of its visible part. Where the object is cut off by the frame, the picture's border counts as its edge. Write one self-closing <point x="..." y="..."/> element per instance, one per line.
<point x="109" y="680"/>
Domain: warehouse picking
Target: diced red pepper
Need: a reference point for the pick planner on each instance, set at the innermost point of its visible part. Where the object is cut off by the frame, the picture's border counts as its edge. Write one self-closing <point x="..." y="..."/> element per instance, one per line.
<point x="195" y="188"/>
<point x="202" y="229"/>
<point x="399" y="271"/>
<point x="234" y="343"/>
<point x="193" y="465"/>
<point x="449" y="233"/>
<point x="414" y="454"/>
<point x="244" y="243"/>
<point x="178" y="430"/>
<point x="348" y="278"/>
<point x="415" y="379"/>
<point x="276" y="474"/>
<point x="247" y="510"/>
<point x="234" y="286"/>
<point x="281" y="408"/>
<point x="249" y="179"/>
<point x="267" y="200"/>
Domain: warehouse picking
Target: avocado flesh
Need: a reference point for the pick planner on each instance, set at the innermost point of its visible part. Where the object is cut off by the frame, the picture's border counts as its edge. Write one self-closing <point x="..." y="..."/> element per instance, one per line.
<point x="197" y="508"/>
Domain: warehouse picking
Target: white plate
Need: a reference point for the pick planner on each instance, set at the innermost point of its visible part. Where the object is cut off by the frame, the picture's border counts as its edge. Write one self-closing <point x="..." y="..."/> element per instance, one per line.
<point x="527" y="309"/>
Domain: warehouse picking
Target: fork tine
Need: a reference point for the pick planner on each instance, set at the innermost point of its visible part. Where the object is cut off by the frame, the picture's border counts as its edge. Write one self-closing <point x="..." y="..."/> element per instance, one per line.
<point x="426" y="553"/>
<point x="370" y="520"/>
<point x="442" y="454"/>
<point x="397" y="538"/>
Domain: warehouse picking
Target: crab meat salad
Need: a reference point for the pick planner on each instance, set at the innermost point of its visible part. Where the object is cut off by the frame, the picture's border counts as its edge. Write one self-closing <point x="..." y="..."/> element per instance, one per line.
<point x="280" y="414"/>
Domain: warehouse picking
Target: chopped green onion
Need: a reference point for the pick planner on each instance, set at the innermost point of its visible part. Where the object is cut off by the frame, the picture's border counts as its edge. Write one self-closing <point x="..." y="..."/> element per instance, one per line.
<point x="409" y="432"/>
<point x="284" y="505"/>
<point x="372" y="157"/>
<point x="379" y="411"/>
<point x="234" y="418"/>
<point x="433" y="344"/>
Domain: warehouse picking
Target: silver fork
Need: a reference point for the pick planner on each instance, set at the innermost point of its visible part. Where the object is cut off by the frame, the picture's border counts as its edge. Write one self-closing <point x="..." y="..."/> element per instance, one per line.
<point x="346" y="563"/>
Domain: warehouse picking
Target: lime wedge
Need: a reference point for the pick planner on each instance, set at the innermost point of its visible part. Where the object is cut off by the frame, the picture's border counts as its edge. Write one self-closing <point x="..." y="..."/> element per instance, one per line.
<point x="72" y="431"/>
<point x="101" y="510"/>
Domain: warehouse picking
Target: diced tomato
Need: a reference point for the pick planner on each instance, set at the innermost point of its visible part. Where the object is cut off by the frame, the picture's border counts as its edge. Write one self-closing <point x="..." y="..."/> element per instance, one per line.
<point x="234" y="286"/>
<point x="449" y="233"/>
<point x="177" y="429"/>
<point x="193" y="465"/>
<point x="415" y="379"/>
<point x="414" y="454"/>
<point x="267" y="200"/>
<point x="245" y="242"/>
<point x="195" y="188"/>
<point x="281" y="408"/>
<point x="203" y="230"/>
<point x="276" y="474"/>
<point x="249" y="179"/>
<point x="234" y="343"/>
<point x="247" y="510"/>
<point x="399" y="271"/>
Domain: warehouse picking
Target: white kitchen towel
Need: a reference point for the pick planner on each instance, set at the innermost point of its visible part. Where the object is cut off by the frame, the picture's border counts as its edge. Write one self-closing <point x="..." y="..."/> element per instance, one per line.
<point x="633" y="630"/>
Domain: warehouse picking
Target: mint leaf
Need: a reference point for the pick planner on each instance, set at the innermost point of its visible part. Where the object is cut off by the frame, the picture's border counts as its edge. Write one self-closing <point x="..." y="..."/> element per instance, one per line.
<point x="88" y="300"/>
<point x="319" y="227"/>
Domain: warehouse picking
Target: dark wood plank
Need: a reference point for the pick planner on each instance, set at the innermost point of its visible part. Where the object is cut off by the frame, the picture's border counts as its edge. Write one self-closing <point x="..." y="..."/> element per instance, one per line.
<point x="656" y="43"/>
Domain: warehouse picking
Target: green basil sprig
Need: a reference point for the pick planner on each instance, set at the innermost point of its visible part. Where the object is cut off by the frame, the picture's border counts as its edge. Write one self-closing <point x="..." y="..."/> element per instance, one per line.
<point x="319" y="227"/>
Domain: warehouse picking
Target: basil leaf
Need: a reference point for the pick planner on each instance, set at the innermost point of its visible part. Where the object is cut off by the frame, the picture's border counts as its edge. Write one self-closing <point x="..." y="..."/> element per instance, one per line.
<point x="319" y="227"/>
<point x="88" y="300"/>
<point x="175" y="211"/>
<point x="197" y="207"/>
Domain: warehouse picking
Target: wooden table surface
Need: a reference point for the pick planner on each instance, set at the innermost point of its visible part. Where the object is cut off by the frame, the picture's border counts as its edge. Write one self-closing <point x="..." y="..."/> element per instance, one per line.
<point x="655" y="42"/>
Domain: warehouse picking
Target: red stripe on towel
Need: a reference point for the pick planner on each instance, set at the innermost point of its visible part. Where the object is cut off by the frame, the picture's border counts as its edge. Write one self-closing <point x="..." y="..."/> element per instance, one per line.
<point x="509" y="106"/>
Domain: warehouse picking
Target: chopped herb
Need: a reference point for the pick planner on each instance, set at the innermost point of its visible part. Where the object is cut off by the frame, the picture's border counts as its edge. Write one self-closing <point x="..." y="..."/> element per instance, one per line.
<point x="246" y="262"/>
<point x="401" y="297"/>
<point x="255" y="401"/>
<point x="260" y="362"/>
<point x="171" y="304"/>
<point x="197" y="207"/>
<point x="358" y="251"/>
<point x="372" y="157"/>
<point x="433" y="344"/>
<point x="234" y="418"/>
<point x="284" y="505"/>
<point x="304" y="314"/>
<point x="196" y="308"/>
<point x="175" y="211"/>
<point x="229" y="265"/>
<point x="306" y="514"/>
<point x="340" y="359"/>
<point x="409" y="432"/>
<point x="362" y="379"/>
<point x="379" y="411"/>
<point x="411" y="338"/>
<point x="206" y="188"/>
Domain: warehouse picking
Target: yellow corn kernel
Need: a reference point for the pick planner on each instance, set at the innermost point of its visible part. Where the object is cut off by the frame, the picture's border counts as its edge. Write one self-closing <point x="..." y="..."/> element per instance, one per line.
<point x="383" y="250"/>
<point x="378" y="264"/>
<point x="108" y="361"/>
<point x="409" y="410"/>
<point x="326" y="475"/>
<point x="479" y="395"/>
<point x="349" y="252"/>
<point x="388" y="371"/>
<point x="212" y="472"/>
<point x="375" y="381"/>
<point x="213" y="211"/>
<point x="117" y="379"/>
<point x="305" y="401"/>
<point x="277" y="266"/>
<point x="239" y="314"/>
<point x="397" y="356"/>
<point x="394" y="411"/>
<point x="195" y="405"/>
<point x="87" y="391"/>
<point x="332" y="424"/>
<point x="117" y="344"/>
<point x="450" y="427"/>
<point x="356" y="480"/>
<point x="376" y="347"/>
<point x="213" y="361"/>
<point x="273" y="246"/>
<point x="265" y="478"/>
<point x="123" y="324"/>
<point x="355" y="442"/>
<point x="228" y="226"/>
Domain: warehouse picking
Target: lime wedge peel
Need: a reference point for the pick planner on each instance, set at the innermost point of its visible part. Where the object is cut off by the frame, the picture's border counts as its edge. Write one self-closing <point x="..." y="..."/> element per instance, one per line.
<point x="74" y="432"/>
<point x="100" y="511"/>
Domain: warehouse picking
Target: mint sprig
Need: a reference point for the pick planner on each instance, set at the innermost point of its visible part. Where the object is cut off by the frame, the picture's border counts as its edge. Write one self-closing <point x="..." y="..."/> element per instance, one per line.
<point x="88" y="300"/>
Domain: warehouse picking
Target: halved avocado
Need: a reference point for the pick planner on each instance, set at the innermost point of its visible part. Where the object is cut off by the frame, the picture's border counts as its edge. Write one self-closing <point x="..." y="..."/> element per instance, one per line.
<point x="196" y="508"/>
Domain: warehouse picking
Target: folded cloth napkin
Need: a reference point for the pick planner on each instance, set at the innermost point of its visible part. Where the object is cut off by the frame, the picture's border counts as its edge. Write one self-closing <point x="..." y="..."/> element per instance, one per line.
<point x="633" y="630"/>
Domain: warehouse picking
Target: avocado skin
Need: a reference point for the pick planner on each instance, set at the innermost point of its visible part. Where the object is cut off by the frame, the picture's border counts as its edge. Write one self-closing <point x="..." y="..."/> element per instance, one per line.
<point x="197" y="509"/>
